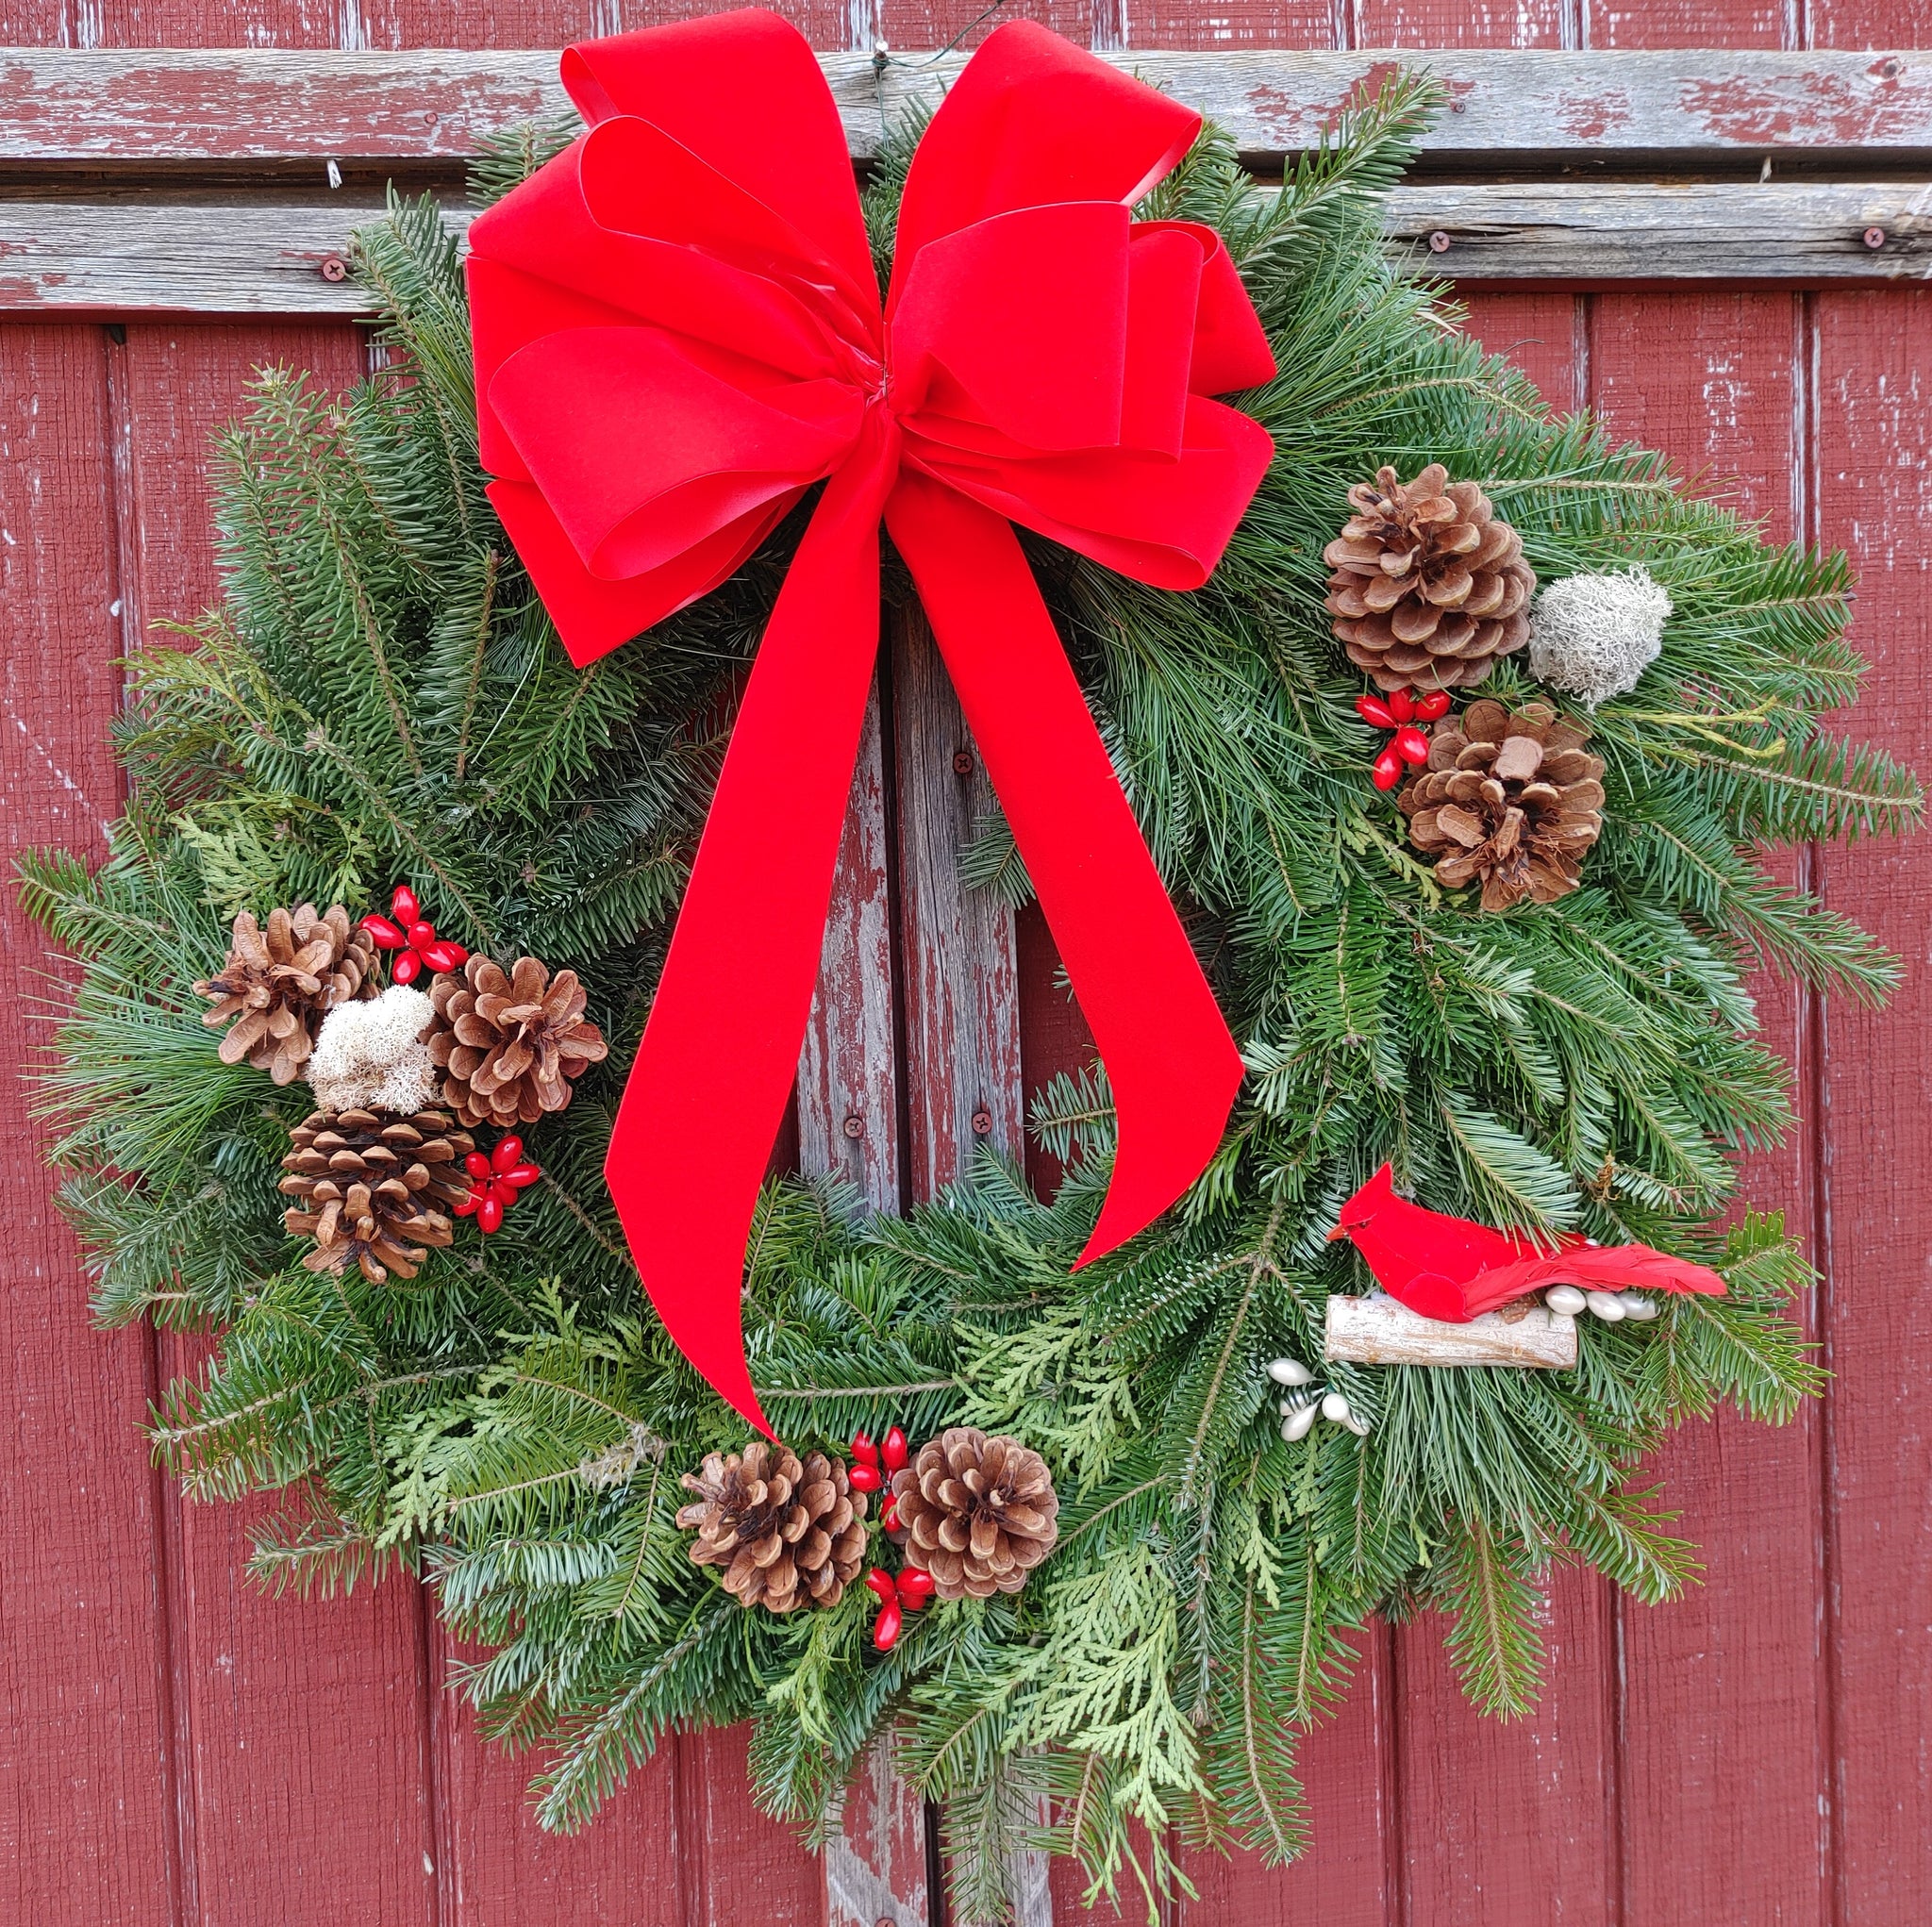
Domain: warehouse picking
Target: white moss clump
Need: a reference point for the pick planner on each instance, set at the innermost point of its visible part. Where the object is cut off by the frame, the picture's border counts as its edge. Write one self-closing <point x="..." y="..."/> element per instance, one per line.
<point x="374" y="1056"/>
<point x="1594" y="635"/>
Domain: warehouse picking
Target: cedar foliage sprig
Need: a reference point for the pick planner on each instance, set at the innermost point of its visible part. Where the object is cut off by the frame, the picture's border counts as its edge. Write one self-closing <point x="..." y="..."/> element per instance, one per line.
<point x="380" y="696"/>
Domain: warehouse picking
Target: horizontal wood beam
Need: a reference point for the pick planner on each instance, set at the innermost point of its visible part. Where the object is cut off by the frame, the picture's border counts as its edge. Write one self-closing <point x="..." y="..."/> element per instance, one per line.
<point x="127" y="257"/>
<point x="109" y="107"/>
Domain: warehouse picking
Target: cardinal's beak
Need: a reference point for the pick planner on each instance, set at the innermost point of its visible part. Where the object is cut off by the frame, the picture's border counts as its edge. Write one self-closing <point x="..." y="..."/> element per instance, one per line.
<point x="1340" y="1231"/>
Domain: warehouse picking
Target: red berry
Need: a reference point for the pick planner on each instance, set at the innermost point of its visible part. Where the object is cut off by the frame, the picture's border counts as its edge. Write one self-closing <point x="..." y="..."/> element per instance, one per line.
<point x="477" y="1165"/>
<point x="885" y="1632"/>
<point x="1411" y="746"/>
<point x="469" y="1205"/>
<point x="889" y="1512"/>
<point x="879" y="1581"/>
<point x="864" y="1478"/>
<point x="892" y="1450"/>
<point x="406" y="966"/>
<point x="518" y="1175"/>
<point x="1387" y="769"/>
<point x="421" y="935"/>
<point x="1436" y="704"/>
<point x="459" y="955"/>
<point x="388" y="936"/>
<point x="442" y="956"/>
<point x="915" y="1588"/>
<point x="403" y="904"/>
<point x="1400" y="705"/>
<point x="490" y="1212"/>
<point x="1373" y="709"/>
<point x="510" y="1148"/>
<point x="864" y="1449"/>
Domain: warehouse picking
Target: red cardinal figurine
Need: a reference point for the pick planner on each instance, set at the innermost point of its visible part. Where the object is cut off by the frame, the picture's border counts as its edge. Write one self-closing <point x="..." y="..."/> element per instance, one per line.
<point x="1453" y="1269"/>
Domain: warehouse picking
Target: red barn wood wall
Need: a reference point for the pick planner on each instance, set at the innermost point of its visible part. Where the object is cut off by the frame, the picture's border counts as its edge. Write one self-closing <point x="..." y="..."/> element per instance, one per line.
<point x="180" y="1751"/>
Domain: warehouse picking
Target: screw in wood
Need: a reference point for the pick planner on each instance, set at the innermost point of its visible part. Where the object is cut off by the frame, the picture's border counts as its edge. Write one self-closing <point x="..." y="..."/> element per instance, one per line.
<point x="1438" y="243"/>
<point x="855" y="1127"/>
<point x="962" y="762"/>
<point x="1890" y="68"/>
<point x="1874" y="238"/>
<point x="335" y="268"/>
<point x="982" y="1124"/>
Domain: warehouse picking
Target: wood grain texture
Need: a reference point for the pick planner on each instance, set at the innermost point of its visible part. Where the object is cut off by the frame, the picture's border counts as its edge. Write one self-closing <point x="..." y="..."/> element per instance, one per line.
<point x="89" y="1829"/>
<point x="1376" y="1330"/>
<point x="60" y="107"/>
<point x="963" y="1011"/>
<point x="1720" y="1725"/>
<point x="1873" y="356"/>
<point x="734" y="1865"/>
<point x="848" y="1113"/>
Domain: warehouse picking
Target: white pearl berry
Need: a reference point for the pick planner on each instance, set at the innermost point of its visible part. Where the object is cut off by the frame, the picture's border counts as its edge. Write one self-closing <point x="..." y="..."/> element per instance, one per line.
<point x="1565" y="1300"/>
<point x="1300" y="1422"/>
<point x="1357" y="1425"/>
<point x="1290" y="1372"/>
<point x="1636" y="1306"/>
<point x="1605" y="1305"/>
<point x="1335" y="1407"/>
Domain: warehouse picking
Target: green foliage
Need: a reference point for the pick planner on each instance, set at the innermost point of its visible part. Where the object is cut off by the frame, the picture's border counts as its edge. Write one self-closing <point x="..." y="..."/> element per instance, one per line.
<point x="380" y="698"/>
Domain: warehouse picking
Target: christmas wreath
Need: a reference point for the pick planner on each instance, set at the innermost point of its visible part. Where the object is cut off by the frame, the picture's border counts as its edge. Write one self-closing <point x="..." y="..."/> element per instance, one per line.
<point x="362" y="975"/>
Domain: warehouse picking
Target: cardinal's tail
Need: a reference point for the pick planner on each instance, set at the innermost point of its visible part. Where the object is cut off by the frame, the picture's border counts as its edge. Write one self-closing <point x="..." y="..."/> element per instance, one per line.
<point x="1595" y="1268"/>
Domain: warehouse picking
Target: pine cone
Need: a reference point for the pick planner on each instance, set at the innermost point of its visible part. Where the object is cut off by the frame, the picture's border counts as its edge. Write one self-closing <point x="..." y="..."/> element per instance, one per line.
<point x="277" y="984"/>
<point x="979" y="1513"/>
<point x="1428" y="587"/>
<point x="1511" y="799"/>
<point x="375" y="1188"/>
<point x="788" y="1534"/>
<point x="510" y="1044"/>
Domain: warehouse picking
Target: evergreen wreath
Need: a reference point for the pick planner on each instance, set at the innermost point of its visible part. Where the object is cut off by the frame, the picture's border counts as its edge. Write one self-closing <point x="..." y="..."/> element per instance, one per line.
<point x="380" y="697"/>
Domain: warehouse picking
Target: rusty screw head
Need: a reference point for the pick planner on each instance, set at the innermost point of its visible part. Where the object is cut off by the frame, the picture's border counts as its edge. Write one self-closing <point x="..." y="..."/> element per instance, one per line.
<point x="962" y="762"/>
<point x="1438" y="243"/>
<point x="1892" y="68"/>
<point x="982" y="1124"/>
<point x="855" y="1127"/>
<point x="335" y="268"/>
<point x="1874" y="238"/>
<point x="1459" y="107"/>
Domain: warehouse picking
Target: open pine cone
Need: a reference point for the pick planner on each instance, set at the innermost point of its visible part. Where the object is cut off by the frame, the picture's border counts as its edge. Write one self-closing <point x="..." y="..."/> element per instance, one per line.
<point x="1513" y="800"/>
<point x="375" y="1188"/>
<point x="978" y="1513"/>
<point x="278" y="984"/>
<point x="788" y="1532"/>
<point x="1428" y="588"/>
<point x="510" y="1043"/>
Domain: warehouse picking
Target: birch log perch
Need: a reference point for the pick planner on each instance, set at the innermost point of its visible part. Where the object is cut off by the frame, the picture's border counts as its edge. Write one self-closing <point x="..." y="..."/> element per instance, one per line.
<point x="1376" y="1330"/>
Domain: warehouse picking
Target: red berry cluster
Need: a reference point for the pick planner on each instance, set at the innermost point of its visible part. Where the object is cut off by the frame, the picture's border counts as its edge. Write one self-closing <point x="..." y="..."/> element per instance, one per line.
<point x="872" y="1467"/>
<point x="495" y="1180"/>
<point x="404" y="930"/>
<point x="1401" y="711"/>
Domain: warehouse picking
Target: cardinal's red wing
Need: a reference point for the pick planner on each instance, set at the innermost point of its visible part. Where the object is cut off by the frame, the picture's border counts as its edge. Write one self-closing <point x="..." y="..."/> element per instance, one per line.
<point x="1592" y="1267"/>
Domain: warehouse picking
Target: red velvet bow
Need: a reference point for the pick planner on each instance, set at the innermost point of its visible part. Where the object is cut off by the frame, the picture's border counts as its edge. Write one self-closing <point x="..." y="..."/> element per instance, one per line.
<point x="678" y="333"/>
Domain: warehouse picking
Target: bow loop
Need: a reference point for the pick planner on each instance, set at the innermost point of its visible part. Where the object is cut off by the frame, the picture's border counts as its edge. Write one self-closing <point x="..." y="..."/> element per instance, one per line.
<point x="675" y="341"/>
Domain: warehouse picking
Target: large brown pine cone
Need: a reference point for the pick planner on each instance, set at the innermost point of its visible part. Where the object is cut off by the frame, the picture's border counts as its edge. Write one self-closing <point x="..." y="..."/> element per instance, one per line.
<point x="375" y="1188"/>
<point x="1428" y="588"/>
<point x="978" y="1513"/>
<point x="278" y="984"/>
<point x="788" y="1532"/>
<point x="510" y="1043"/>
<point x="1512" y="800"/>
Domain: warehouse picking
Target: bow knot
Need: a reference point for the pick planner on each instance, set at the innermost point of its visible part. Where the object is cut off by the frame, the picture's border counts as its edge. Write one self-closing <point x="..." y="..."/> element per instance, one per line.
<point x="674" y="341"/>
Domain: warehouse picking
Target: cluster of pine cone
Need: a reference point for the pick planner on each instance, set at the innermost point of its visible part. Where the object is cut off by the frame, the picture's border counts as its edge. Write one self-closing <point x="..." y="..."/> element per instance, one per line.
<point x="978" y="1514"/>
<point x="375" y="1189"/>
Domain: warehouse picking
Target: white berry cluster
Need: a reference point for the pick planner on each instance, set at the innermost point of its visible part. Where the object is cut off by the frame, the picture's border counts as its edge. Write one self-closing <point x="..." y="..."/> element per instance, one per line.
<point x="1568" y="1302"/>
<point x="1305" y="1402"/>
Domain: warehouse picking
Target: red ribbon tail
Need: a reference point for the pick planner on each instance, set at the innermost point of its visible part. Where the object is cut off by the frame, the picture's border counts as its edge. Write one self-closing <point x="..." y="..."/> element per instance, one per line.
<point x="693" y="1133"/>
<point x="1173" y="1065"/>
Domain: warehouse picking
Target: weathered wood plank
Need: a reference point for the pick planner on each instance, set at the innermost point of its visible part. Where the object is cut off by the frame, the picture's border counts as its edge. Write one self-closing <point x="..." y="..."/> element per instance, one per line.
<point x="962" y="1010"/>
<point x="276" y="257"/>
<point x="1377" y="1331"/>
<point x="58" y="105"/>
